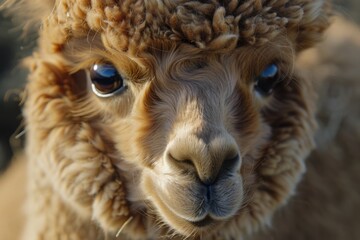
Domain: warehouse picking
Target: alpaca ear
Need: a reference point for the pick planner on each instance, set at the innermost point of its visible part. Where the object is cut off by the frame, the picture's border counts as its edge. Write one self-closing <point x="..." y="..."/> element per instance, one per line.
<point x="29" y="14"/>
<point x="315" y="21"/>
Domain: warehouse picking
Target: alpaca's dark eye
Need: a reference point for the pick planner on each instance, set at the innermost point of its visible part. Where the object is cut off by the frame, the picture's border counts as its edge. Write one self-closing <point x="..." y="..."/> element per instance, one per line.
<point x="267" y="79"/>
<point x="106" y="81"/>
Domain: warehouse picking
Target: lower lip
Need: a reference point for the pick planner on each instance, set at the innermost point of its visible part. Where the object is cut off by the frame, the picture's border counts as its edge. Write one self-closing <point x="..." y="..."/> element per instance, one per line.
<point x="203" y="223"/>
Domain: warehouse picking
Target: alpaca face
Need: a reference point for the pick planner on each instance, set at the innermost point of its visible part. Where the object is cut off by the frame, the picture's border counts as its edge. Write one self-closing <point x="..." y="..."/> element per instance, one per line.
<point x="188" y="134"/>
<point x="192" y="113"/>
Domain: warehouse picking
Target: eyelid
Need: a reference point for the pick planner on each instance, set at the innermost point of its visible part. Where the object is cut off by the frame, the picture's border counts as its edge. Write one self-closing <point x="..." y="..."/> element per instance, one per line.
<point x="107" y="95"/>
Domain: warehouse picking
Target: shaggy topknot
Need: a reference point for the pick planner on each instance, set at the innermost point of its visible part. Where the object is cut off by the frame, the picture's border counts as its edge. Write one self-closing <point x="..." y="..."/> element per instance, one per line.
<point x="133" y="25"/>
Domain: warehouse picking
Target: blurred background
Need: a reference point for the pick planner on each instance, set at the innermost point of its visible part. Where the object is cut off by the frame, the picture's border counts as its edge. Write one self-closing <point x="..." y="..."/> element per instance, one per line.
<point x="12" y="77"/>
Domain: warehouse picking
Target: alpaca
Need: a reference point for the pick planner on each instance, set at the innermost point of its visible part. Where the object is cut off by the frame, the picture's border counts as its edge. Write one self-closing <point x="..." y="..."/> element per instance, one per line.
<point x="166" y="119"/>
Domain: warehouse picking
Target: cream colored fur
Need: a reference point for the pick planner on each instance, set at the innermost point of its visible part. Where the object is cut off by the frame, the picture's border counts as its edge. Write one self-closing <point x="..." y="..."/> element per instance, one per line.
<point x="138" y="162"/>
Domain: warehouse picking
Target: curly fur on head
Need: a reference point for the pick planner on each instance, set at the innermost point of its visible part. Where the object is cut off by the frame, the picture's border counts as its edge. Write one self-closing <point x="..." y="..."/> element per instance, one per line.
<point x="135" y="24"/>
<point x="188" y="128"/>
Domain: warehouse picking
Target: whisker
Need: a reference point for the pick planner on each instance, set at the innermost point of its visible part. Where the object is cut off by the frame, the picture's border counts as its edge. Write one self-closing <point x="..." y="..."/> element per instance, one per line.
<point x="123" y="226"/>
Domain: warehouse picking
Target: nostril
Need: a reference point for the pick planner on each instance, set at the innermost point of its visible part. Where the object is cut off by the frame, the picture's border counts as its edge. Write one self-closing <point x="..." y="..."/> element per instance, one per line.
<point x="228" y="167"/>
<point x="230" y="164"/>
<point x="179" y="161"/>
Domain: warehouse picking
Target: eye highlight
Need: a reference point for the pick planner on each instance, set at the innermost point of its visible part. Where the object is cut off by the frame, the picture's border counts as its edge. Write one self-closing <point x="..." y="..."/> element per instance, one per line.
<point x="106" y="81"/>
<point x="267" y="80"/>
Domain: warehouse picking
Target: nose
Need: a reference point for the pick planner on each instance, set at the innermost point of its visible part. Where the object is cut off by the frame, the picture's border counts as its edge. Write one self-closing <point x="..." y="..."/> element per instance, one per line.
<point x="207" y="158"/>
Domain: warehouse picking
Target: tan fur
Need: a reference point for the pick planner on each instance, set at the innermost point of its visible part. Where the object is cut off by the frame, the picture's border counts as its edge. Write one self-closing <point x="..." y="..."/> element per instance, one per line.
<point x="97" y="164"/>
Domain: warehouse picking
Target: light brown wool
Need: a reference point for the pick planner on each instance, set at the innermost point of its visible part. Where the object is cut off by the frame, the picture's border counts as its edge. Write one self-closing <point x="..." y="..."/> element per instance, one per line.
<point x="135" y="24"/>
<point x="190" y="67"/>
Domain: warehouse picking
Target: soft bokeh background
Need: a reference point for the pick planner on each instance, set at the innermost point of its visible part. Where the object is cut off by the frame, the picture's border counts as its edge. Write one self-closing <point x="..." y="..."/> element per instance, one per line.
<point x="12" y="78"/>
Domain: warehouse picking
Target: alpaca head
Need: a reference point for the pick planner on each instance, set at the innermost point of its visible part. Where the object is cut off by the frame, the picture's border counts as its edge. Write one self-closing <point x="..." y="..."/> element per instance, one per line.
<point x="189" y="111"/>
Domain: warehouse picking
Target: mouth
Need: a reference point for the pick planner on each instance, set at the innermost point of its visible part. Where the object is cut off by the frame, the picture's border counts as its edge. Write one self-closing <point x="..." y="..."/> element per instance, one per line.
<point x="181" y="224"/>
<point x="188" y="215"/>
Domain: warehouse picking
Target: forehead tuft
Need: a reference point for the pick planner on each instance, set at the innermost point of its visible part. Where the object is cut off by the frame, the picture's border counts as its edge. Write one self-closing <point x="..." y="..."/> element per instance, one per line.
<point x="137" y="24"/>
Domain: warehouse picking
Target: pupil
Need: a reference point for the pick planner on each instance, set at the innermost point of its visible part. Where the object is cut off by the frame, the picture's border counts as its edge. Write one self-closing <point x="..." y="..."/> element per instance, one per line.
<point x="104" y="83"/>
